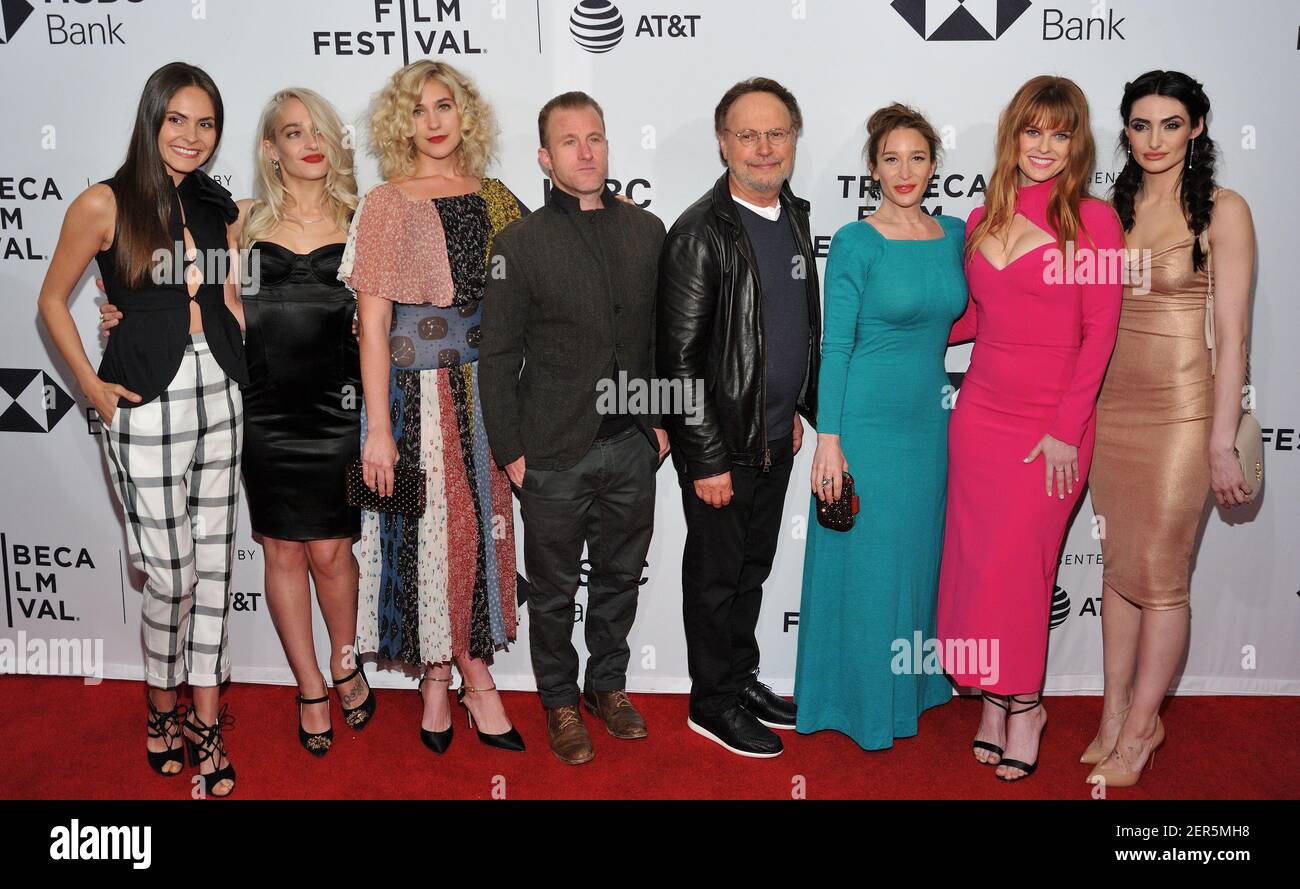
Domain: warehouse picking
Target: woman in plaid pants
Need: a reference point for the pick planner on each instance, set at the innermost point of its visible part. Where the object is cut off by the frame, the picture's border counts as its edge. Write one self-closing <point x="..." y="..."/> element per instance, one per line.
<point x="167" y="393"/>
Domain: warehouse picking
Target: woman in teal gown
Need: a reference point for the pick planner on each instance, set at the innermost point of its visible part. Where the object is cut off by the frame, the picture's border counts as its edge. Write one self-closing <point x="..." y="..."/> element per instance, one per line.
<point x="894" y="287"/>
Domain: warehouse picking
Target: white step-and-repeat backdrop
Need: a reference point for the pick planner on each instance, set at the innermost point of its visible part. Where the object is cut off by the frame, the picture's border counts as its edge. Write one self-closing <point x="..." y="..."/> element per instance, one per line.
<point x="72" y="73"/>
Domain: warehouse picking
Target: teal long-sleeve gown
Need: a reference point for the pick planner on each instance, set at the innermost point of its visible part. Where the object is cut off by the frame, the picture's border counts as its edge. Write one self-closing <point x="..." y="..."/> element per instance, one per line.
<point x="889" y="306"/>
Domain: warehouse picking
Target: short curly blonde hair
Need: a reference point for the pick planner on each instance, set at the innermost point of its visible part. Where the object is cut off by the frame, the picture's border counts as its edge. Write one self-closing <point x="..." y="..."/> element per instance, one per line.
<point x="392" y="125"/>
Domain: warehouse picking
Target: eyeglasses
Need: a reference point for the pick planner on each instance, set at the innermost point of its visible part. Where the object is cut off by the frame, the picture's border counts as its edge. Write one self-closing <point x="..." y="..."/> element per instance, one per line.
<point x="749" y="138"/>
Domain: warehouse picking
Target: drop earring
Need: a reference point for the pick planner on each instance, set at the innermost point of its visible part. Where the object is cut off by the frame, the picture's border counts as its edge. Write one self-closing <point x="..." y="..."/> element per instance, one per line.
<point x="275" y="165"/>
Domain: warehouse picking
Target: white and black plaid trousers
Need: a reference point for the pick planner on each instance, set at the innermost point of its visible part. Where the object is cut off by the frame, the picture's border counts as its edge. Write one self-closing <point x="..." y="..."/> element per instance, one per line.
<point x="175" y="466"/>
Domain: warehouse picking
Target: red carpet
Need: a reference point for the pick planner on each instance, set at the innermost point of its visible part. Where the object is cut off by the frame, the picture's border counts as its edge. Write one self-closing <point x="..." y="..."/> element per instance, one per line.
<point x="61" y="739"/>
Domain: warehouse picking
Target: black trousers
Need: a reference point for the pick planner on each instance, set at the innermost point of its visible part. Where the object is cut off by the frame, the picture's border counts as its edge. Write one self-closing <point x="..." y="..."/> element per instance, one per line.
<point x="727" y="558"/>
<point x="606" y="500"/>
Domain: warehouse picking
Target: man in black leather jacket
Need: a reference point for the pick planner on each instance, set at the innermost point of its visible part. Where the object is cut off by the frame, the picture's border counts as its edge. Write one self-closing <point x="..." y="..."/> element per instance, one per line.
<point x="739" y="309"/>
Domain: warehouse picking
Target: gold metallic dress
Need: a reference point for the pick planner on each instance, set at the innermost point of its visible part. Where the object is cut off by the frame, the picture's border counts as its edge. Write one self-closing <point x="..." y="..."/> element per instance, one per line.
<point x="1150" y="476"/>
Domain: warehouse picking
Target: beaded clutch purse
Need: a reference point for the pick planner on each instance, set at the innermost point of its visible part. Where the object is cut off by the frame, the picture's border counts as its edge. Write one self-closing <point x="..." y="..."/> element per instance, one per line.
<point x="838" y="514"/>
<point x="408" y="497"/>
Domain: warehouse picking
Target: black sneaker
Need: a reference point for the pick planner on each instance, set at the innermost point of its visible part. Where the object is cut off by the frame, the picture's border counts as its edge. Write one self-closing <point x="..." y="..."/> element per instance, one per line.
<point x="766" y="705"/>
<point x="739" y="732"/>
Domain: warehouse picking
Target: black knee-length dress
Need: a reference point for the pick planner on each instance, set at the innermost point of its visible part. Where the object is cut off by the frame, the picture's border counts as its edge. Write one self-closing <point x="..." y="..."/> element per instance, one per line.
<point x="302" y="406"/>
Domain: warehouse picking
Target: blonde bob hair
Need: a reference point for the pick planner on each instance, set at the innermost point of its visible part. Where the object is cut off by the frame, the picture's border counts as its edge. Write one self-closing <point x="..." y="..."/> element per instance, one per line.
<point x="392" y="126"/>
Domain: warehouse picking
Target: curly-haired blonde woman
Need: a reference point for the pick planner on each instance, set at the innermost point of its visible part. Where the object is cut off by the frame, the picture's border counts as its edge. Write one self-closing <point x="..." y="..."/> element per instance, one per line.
<point x="440" y="587"/>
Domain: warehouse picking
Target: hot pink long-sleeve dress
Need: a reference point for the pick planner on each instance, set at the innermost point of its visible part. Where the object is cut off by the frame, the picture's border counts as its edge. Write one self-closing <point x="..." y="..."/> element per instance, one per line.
<point x="1043" y="336"/>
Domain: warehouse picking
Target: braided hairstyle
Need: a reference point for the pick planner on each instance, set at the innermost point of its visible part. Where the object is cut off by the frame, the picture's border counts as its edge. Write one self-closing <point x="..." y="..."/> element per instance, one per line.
<point x="1197" y="183"/>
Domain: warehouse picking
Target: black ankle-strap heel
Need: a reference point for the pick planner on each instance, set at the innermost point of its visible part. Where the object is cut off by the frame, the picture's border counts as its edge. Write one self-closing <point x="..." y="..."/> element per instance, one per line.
<point x="357" y="717"/>
<point x="1027" y="767"/>
<point x="315" y="743"/>
<point x="510" y="739"/>
<point x="438" y="742"/>
<point x="977" y="744"/>
<point x="208" y="745"/>
<point x="164" y="724"/>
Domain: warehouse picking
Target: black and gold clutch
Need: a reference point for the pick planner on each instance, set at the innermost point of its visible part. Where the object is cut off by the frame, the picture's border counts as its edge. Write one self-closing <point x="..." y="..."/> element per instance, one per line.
<point x="408" y="497"/>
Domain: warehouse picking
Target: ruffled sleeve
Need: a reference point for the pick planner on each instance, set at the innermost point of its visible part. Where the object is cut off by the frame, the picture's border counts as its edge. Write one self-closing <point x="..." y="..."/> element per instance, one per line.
<point x="215" y="194"/>
<point x="397" y="250"/>
<point x="350" y="248"/>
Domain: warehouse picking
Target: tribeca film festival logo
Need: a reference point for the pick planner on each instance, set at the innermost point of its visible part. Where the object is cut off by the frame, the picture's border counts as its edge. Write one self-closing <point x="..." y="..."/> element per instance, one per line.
<point x="597" y="25"/>
<point x="78" y="842"/>
<point x="33" y="590"/>
<point x="26" y="188"/>
<point x="963" y="20"/>
<point x="103" y="30"/>
<point x="404" y="26"/>
<point x="30" y="400"/>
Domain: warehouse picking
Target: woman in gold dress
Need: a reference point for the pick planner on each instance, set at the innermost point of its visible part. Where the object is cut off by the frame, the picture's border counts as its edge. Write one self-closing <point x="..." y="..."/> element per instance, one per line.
<point x="1168" y="411"/>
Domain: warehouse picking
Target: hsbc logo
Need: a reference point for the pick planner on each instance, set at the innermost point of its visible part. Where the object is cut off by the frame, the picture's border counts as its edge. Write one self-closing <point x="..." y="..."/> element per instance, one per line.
<point x="30" y="401"/>
<point x="944" y="20"/>
<point x="12" y="15"/>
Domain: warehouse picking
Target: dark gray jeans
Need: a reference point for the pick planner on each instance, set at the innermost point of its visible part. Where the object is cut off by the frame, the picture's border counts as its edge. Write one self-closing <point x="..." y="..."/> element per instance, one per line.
<point x="606" y="499"/>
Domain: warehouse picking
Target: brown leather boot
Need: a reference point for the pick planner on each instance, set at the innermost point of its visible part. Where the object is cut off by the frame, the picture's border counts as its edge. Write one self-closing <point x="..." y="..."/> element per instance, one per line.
<point x="568" y="735"/>
<point x="616" y="711"/>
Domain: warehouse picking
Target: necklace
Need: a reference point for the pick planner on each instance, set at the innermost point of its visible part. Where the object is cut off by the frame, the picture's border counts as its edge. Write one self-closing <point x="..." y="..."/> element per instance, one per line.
<point x="302" y="221"/>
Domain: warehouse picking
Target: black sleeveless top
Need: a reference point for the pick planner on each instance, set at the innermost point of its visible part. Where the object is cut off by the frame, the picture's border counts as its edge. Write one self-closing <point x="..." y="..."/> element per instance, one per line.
<point x="148" y="344"/>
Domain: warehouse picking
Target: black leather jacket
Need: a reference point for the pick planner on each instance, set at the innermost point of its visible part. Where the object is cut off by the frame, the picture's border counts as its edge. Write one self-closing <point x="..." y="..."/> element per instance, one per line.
<point x="710" y="327"/>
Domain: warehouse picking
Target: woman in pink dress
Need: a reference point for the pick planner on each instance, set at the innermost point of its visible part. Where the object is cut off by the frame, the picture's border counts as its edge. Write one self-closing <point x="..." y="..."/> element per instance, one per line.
<point x="1044" y="267"/>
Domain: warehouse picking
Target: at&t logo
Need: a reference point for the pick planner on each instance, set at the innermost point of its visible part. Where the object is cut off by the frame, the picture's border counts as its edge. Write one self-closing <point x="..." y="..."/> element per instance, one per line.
<point x="598" y="26"/>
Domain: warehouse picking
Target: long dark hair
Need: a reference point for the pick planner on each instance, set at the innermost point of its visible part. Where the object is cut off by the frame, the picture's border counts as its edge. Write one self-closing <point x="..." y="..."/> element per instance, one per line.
<point x="1197" y="183"/>
<point x="141" y="185"/>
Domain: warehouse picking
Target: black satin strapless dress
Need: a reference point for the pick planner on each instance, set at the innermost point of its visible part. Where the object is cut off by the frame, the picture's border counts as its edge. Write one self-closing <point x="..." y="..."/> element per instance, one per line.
<point x="302" y="406"/>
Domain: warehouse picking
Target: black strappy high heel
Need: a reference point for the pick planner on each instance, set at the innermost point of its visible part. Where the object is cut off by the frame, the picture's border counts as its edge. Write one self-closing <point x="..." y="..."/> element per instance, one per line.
<point x="359" y="716"/>
<point x="208" y="745"/>
<point x="315" y="743"/>
<point x="165" y="724"/>
<point x="977" y="744"/>
<point x="507" y="740"/>
<point x="438" y="742"/>
<point x="1027" y="767"/>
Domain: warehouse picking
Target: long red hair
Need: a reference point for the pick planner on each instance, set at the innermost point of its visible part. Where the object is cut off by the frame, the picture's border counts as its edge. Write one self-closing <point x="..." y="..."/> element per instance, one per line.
<point x="1051" y="103"/>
